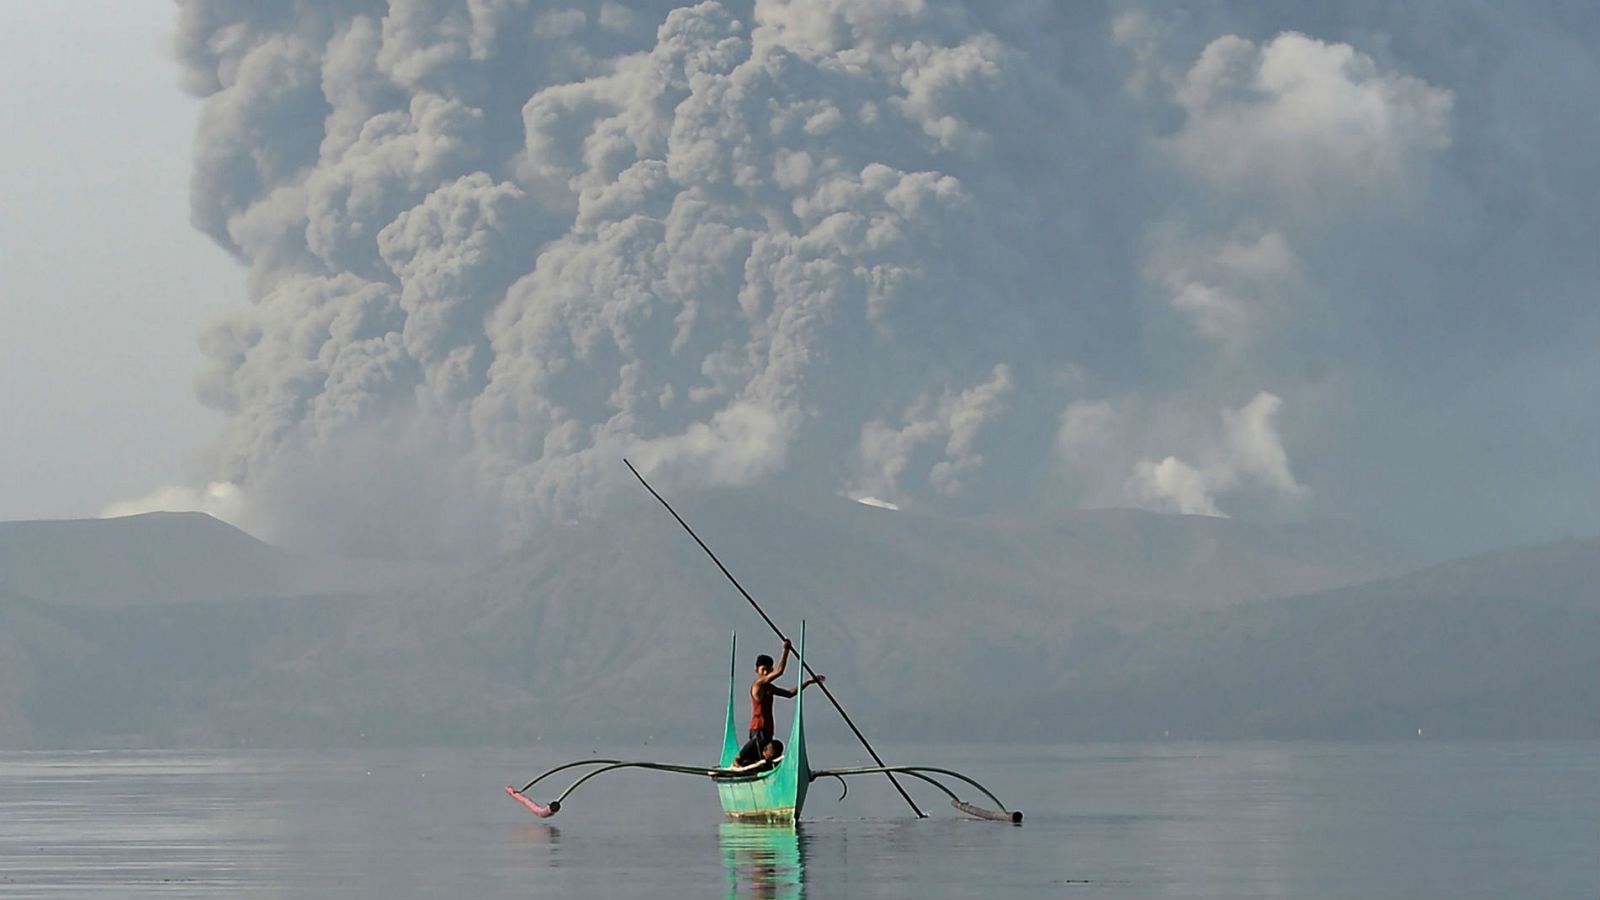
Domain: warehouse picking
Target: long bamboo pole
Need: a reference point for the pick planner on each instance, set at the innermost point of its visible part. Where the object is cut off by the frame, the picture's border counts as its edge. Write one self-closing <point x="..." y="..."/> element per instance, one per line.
<point x="779" y="632"/>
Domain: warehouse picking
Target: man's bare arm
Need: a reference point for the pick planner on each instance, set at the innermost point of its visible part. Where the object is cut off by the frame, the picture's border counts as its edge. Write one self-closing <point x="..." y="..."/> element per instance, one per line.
<point x="788" y="692"/>
<point x="777" y="671"/>
<point x="756" y="766"/>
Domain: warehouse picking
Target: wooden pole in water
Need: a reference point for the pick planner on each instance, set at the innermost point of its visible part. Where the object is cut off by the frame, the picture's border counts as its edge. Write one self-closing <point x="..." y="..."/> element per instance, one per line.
<point x="779" y="632"/>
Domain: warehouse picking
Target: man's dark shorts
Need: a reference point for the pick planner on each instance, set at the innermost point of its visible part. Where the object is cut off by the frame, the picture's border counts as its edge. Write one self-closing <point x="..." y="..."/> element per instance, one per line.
<point x="751" y="751"/>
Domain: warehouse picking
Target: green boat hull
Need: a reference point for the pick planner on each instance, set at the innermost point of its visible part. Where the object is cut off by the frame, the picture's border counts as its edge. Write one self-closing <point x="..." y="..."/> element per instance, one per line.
<point x="778" y="794"/>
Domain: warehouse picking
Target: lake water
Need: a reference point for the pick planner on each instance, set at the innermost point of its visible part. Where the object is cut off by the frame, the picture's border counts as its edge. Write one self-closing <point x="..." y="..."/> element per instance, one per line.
<point x="1296" y="820"/>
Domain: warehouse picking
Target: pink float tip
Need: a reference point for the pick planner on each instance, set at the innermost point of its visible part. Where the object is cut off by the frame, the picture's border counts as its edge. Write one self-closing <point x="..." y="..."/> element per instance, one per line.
<point x="543" y="812"/>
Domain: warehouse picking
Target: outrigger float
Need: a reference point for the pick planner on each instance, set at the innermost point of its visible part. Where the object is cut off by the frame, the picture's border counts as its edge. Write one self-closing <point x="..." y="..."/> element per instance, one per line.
<point x="777" y="794"/>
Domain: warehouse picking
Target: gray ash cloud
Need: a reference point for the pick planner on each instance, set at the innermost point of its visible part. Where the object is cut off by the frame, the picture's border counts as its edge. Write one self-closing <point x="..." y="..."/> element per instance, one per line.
<point x="942" y="254"/>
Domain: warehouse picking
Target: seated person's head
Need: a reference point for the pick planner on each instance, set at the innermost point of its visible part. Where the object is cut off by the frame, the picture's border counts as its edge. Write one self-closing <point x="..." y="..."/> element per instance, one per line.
<point x="772" y="751"/>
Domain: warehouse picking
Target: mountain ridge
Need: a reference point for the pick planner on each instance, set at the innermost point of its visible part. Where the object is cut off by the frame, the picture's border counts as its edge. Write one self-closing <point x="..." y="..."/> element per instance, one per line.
<point x="927" y="625"/>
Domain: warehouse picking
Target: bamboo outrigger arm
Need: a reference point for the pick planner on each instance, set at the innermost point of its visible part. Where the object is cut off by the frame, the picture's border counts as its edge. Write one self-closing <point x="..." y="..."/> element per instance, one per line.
<point x="1004" y="815"/>
<point x="603" y="765"/>
<point x="570" y="765"/>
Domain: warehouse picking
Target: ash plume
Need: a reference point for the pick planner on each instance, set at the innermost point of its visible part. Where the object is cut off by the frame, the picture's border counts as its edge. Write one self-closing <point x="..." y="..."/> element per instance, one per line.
<point x="891" y="248"/>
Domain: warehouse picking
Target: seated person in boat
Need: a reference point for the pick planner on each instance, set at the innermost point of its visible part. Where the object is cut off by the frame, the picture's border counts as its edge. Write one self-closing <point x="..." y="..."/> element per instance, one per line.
<point x="771" y="753"/>
<point x="761" y="694"/>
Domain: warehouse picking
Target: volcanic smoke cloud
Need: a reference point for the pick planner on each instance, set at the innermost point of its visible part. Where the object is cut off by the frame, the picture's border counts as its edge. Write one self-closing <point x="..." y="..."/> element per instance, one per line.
<point x="936" y="253"/>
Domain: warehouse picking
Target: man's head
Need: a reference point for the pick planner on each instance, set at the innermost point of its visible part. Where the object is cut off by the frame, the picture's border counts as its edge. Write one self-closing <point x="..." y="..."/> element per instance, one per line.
<point x="763" y="664"/>
<point x="772" y="750"/>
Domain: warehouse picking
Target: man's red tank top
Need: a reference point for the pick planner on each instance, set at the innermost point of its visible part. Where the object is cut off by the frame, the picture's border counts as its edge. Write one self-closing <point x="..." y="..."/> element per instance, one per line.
<point x="761" y="709"/>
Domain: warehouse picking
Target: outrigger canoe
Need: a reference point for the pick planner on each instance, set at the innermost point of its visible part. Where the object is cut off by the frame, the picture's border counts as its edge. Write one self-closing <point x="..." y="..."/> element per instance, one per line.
<point x="777" y="794"/>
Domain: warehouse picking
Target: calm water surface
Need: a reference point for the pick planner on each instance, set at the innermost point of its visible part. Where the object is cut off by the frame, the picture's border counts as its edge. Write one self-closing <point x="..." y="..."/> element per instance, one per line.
<point x="1147" y="820"/>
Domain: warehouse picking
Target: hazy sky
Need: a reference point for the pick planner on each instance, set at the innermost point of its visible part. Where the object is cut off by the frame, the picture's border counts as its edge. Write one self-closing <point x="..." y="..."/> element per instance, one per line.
<point x="1274" y="261"/>
<point x="103" y="282"/>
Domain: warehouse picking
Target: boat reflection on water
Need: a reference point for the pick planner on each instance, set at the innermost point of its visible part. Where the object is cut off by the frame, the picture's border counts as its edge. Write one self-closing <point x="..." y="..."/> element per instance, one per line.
<point x="764" y="861"/>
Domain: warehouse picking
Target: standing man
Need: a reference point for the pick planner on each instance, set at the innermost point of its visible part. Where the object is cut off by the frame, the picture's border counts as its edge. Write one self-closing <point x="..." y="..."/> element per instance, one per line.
<point x="762" y="690"/>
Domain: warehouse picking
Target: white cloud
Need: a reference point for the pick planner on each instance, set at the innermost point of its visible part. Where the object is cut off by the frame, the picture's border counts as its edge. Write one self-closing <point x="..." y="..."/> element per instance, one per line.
<point x="1254" y="449"/>
<point x="738" y="446"/>
<point x="1141" y="35"/>
<point x="1304" y="122"/>
<point x="1285" y="134"/>
<point x="1168" y="457"/>
<point x="1229" y="287"/>
<point x="1172" y="485"/>
<point x="1248" y="453"/>
<point x="956" y="419"/>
